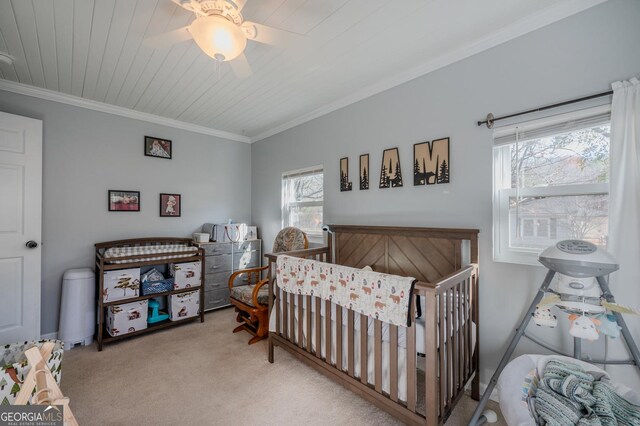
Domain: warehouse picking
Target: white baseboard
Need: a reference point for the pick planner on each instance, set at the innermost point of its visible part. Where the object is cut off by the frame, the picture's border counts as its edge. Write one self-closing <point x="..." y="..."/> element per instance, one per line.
<point x="494" y="394"/>
<point x="483" y="387"/>
<point x="50" y="336"/>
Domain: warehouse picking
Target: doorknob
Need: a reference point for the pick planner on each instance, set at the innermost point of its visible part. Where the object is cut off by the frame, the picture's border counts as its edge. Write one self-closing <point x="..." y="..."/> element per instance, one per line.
<point x="31" y="244"/>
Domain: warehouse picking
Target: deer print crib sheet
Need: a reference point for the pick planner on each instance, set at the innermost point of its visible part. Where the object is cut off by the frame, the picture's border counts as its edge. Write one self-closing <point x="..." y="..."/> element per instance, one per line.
<point x="381" y="296"/>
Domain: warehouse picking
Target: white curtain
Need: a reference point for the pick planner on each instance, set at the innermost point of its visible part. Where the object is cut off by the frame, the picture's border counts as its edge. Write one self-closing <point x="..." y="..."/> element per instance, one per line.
<point x="624" y="215"/>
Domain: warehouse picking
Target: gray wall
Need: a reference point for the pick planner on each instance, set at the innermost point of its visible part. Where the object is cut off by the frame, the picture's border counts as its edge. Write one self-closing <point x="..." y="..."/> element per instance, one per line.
<point x="87" y="153"/>
<point x="571" y="58"/>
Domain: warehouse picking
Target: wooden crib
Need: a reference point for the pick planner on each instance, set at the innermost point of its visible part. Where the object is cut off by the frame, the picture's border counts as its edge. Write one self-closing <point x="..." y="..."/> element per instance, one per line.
<point x="435" y="257"/>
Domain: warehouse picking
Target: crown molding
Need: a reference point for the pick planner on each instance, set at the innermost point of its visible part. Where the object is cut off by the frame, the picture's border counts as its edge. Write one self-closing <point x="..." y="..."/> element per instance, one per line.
<point x="518" y="28"/>
<point x="50" y="95"/>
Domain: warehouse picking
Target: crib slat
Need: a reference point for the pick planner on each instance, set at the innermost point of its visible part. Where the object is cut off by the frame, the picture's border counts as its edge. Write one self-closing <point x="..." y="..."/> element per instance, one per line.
<point x="393" y="362"/>
<point x="377" y="341"/>
<point x="285" y="315"/>
<point x="292" y="319"/>
<point x="278" y="294"/>
<point x="431" y="385"/>
<point x="327" y="334"/>
<point x="463" y="328"/>
<point x="468" y="328"/>
<point x="339" y="337"/>
<point x="456" y="339"/>
<point x="308" y="319"/>
<point x="364" y="348"/>
<point x="350" y="347"/>
<point x="318" y="328"/>
<point x="412" y="372"/>
<point x="300" y="321"/>
<point x="460" y="350"/>
<point x="449" y="345"/>
<point x="442" y="315"/>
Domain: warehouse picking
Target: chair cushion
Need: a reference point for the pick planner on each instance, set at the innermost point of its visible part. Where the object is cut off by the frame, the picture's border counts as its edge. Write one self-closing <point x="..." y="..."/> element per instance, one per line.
<point x="290" y="239"/>
<point x="244" y="293"/>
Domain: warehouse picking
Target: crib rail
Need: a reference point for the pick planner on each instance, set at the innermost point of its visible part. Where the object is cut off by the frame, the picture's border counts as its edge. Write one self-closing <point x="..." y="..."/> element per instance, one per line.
<point x="450" y="307"/>
<point x="450" y="311"/>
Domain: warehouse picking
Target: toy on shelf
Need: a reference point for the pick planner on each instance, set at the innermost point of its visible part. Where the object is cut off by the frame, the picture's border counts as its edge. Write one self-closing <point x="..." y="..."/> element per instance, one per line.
<point x="155" y="315"/>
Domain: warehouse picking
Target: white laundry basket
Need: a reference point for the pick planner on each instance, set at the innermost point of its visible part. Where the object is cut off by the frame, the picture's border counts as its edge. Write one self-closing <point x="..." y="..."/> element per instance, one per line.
<point x="77" y="308"/>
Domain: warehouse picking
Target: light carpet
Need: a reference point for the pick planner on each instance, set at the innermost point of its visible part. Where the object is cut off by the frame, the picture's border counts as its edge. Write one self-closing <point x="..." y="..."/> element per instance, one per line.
<point x="202" y="374"/>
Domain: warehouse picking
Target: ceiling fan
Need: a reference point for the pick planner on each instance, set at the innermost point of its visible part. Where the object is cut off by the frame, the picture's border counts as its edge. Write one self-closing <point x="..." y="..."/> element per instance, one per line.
<point x="222" y="33"/>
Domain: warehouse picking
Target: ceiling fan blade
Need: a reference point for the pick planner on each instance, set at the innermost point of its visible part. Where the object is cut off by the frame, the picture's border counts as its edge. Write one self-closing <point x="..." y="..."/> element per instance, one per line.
<point x="240" y="4"/>
<point x="241" y="67"/>
<point x="164" y="40"/>
<point x="269" y="35"/>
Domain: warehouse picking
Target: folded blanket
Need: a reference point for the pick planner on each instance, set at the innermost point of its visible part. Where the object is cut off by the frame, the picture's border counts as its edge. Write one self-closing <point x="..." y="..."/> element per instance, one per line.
<point x="568" y="395"/>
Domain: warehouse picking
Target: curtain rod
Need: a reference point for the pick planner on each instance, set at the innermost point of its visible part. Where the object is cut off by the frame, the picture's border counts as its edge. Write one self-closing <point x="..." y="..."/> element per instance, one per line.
<point x="491" y="119"/>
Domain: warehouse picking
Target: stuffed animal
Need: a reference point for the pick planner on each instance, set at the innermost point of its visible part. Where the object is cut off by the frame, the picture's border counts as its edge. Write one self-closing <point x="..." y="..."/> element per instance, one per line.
<point x="543" y="316"/>
<point x="583" y="327"/>
<point x="608" y="325"/>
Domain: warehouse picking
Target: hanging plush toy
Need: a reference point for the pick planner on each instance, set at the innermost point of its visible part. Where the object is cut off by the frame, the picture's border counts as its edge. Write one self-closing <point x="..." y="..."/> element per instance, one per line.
<point x="583" y="327"/>
<point x="543" y="316"/>
<point x="608" y="325"/>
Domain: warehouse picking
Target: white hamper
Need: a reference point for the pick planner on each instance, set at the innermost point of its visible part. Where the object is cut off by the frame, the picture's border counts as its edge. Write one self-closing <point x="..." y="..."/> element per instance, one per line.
<point x="77" y="308"/>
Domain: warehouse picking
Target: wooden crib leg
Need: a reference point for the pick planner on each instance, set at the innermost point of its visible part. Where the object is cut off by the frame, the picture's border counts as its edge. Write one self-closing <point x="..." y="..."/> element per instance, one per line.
<point x="475" y="387"/>
<point x="270" y="350"/>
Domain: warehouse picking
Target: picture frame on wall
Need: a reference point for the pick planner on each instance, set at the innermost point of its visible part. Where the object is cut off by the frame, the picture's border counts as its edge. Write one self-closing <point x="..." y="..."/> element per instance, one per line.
<point x="431" y="163"/>
<point x="123" y="201"/>
<point x="364" y="172"/>
<point x="345" y="185"/>
<point x="170" y="205"/>
<point x="390" y="170"/>
<point x="157" y="147"/>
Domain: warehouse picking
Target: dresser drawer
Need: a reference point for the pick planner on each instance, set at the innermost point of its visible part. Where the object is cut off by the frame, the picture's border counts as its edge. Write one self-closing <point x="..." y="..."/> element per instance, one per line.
<point x="217" y="248"/>
<point x="216" y="298"/>
<point x="216" y="281"/>
<point x="248" y="259"/>
<point x="251" y="245"/>
<point x="217" y="263"/>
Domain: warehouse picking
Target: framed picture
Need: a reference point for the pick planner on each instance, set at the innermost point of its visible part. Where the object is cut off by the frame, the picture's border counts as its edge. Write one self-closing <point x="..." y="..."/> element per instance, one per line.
<point x="156" y="147"/>
<point x="124" y="201"/>
<point x="364" y="171"/>
<point x="170" y="205"/>
<point x="431" y="162"/>
<point x="390" y="172"/>
<point x="345" y="185"/>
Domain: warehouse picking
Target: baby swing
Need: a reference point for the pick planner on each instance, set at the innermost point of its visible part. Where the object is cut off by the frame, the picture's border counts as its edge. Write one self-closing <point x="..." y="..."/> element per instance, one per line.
<point x="580" y="266"/>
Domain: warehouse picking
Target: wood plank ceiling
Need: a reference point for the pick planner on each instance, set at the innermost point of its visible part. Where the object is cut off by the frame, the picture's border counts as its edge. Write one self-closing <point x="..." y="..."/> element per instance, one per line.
<point x="94" y="49"/>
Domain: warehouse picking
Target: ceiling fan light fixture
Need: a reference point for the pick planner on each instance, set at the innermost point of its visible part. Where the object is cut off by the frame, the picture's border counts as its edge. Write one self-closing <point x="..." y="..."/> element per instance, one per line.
<point x="218" y="37"/>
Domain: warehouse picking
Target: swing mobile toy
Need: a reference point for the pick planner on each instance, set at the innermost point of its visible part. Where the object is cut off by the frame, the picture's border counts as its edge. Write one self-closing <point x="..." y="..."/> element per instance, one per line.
<point x="580" y="266"/>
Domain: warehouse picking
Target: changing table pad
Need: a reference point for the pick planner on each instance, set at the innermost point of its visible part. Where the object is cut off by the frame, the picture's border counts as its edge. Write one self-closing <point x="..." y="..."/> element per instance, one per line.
<point x="155" y="252"/>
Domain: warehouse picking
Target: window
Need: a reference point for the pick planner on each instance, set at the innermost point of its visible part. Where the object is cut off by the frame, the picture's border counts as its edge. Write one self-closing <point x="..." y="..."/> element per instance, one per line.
<point x="302" y="199"/>
<point x="551" y="183"/>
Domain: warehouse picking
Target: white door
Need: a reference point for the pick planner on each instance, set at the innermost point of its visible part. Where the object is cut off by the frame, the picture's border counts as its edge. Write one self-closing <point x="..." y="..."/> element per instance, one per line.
<point x="20" y="227"/>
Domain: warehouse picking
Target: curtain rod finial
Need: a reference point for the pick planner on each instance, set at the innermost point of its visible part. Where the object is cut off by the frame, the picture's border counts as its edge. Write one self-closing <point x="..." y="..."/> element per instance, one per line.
<point x="490" y="121"/>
